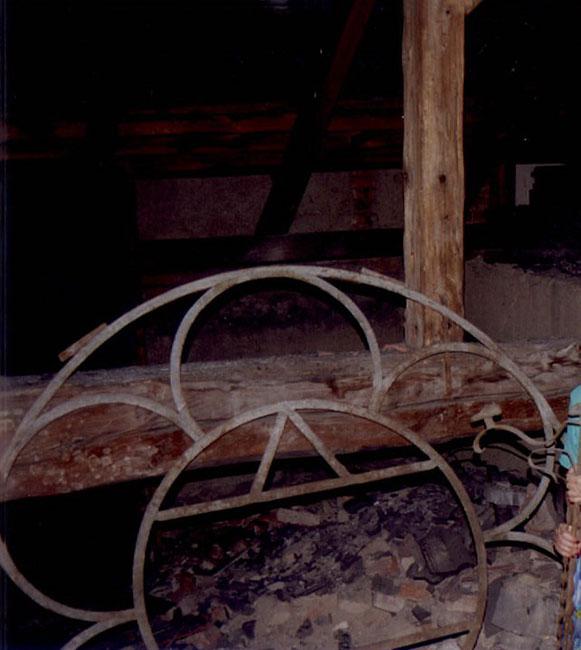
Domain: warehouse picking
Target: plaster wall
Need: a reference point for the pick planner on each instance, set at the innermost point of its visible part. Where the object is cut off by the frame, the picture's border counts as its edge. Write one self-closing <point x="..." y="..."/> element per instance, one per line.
<point x="182" y="208"/>
<point x="505" y="301"/>
<point x="509" y="303"/>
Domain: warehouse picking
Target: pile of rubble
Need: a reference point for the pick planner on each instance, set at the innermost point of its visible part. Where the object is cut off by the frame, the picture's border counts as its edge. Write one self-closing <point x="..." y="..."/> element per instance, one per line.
<point x="331" y="572"/>
<point x="351" y="570"/>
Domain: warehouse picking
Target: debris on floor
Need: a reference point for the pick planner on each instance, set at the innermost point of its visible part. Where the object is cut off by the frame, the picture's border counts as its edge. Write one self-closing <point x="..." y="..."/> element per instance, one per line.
<point x="350" y="570"/>
<point x="339" y="571"/>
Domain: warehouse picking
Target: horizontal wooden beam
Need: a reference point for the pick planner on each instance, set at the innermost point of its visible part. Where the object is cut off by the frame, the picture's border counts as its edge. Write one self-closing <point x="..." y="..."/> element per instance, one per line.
<point x="250" y="138"/>
<point x="165" y="255"/>
<point x="221" y="139"/>
<point x="107" y="444"/>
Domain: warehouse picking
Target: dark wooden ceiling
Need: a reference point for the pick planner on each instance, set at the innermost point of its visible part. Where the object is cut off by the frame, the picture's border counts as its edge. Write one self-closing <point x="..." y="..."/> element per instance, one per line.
<point x="98" y="93"/>
<point x="213" y="86"/>
<point x="66" y="56"/>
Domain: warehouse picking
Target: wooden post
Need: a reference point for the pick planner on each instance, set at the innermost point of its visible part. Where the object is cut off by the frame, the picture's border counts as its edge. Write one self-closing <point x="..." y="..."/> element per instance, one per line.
<point x="433" y="65"/>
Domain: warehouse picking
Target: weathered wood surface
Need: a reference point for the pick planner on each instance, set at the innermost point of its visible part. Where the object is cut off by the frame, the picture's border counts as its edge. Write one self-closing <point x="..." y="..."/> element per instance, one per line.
<point x="433" y="65"/>
<point x="470" y="5"/>
<point x="115" y="443"/>
<point x="167" y="255"/>
<point x="222" y="139"/>
<point x="163" y="256"/>
<point x="232" y="139"/>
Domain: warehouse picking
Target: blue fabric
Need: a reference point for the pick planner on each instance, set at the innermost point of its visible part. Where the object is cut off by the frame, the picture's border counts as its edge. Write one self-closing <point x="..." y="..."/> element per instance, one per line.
<point x="572" y="435"/>
<point x="571" y="446"/>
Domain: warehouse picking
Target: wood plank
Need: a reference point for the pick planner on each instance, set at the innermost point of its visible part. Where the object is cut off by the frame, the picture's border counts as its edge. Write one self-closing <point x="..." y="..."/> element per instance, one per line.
<point x="103" y="445"/>
<point x="290" y="182"/>
<point x="230" y="139"/>
<point x="223" y="139"/>
<point x="168" y="256"/>
<point x="470" y="5"/>
<point x="433" y="63"/>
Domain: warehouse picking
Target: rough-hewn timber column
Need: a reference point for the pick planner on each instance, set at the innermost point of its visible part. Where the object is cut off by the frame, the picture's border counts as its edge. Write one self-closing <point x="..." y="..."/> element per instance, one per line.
<point x="433" y="65"/>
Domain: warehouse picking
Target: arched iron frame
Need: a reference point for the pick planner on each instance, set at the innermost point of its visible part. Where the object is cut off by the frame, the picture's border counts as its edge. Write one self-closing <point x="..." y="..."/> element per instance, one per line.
<point x="39" y="416"/>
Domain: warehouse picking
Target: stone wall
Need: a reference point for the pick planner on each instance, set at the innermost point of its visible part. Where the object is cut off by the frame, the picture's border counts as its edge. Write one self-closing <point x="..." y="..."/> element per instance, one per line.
<point x="213" y="207"/>
<point x="511" y="304"/>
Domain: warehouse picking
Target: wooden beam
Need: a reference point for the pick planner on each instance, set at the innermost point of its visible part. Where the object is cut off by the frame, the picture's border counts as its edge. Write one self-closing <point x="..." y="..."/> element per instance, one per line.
<point x="433" y="64"/>
<point x="107" y="444"/>
<point x="222" y="139"/>
<point x="250" y="138"/>
<point x="169" y="256"/>
<point x="470" y="5"/>
<point x="290" y="182"/>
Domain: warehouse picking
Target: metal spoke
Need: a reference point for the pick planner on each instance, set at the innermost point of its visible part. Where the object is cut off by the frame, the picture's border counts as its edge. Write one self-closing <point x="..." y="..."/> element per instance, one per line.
<point x="43" y="412"/>
<point x="312" y="487"/>
<point x="317" y="443"/>
<point x="268" y="456"/>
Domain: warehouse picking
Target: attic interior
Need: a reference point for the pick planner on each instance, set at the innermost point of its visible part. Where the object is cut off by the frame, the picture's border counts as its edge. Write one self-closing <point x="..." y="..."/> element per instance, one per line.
<point x="149" y="144"/>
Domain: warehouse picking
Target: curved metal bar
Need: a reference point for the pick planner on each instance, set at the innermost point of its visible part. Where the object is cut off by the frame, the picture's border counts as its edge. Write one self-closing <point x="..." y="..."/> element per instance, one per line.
<point x="521" y="435"/>
<point x="76" y="404"/>
<point x="536" y="444"/>
<point x="98" y="628"/>
<point x="494" y="354"/>
<point x="304" y="272"/>
<point x="515" y="537"/>
<point x="154" y="513"/>
<point x="545" y="411"/>
<point x="63" y="409"/>
<point x="261" y="274"/>
<point x="175" y="363"/>
<point x="547" y="473"/>
<point x="558" y="453"/>
<point x="46" y="601"/>
<point x="319" y="277"/>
